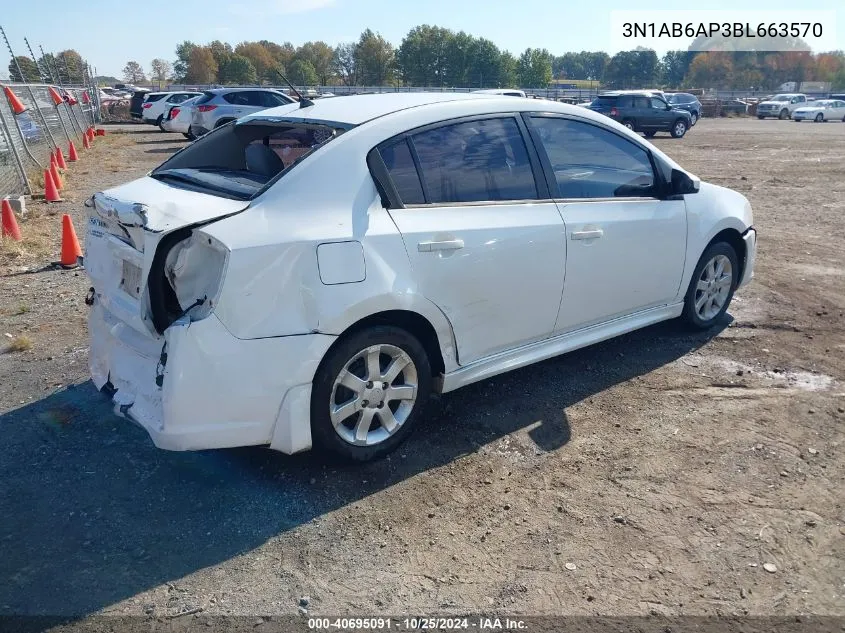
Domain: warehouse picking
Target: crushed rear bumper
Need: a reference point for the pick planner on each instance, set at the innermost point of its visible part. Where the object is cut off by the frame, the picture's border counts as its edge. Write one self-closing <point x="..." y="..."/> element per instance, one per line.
<point x="199" y="387"/>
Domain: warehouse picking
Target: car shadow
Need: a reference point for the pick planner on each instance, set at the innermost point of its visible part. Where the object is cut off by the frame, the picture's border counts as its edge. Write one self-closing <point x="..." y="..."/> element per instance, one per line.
<point x="92" y="513"/>
<point x="171" y="139"/>
<point x="162" y="150"/>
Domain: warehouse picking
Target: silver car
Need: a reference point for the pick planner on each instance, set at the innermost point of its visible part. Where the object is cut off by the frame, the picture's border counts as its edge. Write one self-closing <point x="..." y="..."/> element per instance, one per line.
<point x="222" y="105"/>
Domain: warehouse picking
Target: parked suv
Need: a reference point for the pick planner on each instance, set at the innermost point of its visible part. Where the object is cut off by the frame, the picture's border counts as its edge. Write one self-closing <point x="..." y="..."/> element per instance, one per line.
<point x="686" y="101"/>
<point x="220" y="106"/>
<point x="781" y="106"/>
<point x="643" y="111"/>
<point x="156" y="105"/>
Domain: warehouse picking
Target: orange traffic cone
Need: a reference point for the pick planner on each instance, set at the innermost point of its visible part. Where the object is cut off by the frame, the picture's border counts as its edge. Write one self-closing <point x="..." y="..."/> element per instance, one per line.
<point x="85" y="142"/>
<point x="70" y="245"/>
<point x="85" y="98"/>
<point x="100" y="132"/>
<point x="14" y="102"/>
<point x="57" y="179"/>
<point x="55" y="96"/>
<point x="91" y="135"/>
<point x="51" y="192"/>
<point x="60" y="159"/>
<point x="72" y="156"/>
<point x="10" y="224"/>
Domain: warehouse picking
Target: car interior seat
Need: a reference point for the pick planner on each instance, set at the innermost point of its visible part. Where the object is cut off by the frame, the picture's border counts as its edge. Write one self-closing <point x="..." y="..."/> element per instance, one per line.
<point x="260" y="159"/>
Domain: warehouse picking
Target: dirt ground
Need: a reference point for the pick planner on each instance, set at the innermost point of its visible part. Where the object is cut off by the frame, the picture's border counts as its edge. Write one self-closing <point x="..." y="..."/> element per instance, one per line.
<point x="653" y="474"/>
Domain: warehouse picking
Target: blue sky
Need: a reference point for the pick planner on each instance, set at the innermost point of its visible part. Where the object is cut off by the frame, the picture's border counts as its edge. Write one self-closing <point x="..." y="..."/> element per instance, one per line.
<point x="109" y="34"/>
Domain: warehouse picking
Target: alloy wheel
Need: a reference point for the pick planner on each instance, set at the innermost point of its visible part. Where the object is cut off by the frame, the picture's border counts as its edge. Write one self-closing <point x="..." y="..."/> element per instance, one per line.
<point x="713" y="287"/>
<point x="373" y="395"/>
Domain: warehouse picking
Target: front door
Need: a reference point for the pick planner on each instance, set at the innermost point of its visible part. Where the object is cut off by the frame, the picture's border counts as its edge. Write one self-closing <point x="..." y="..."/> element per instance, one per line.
<point x="482" y="245"/>
<point x="625" y="247"/>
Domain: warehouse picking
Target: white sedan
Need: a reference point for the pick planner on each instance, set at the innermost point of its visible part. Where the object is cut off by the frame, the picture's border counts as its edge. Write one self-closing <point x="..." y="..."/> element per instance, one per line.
<point x="822" y="110"/>
<point x="178" y="118"/>
<point x="311" y="273"/>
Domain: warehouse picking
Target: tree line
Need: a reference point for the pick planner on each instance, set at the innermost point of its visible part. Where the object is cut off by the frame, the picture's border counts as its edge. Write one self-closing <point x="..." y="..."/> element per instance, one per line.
<point x="433" y="56"/>
<point x="66" y="67"/>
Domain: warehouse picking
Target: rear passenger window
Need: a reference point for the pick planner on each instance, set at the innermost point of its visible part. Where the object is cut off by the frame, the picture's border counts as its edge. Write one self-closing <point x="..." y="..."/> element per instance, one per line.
<point x="625" y="102"/>
<point x="641" y="102"/>
<point x="475" y="161"/>
<point x="237" y="98"/>
<point x="403" y="172"/>
<point x="591" y="162"/>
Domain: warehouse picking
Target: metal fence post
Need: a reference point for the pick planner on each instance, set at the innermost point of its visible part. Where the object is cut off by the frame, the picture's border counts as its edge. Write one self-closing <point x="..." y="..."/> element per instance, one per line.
<point x="8" y="135"/>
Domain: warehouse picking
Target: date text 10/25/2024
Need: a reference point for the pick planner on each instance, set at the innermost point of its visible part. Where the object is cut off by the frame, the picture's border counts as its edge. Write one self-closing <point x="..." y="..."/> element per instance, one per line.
<point x="417" y="623"/>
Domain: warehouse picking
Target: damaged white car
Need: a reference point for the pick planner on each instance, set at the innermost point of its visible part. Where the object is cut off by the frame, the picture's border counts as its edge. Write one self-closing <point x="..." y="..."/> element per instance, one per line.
<point x="311" y="273"/>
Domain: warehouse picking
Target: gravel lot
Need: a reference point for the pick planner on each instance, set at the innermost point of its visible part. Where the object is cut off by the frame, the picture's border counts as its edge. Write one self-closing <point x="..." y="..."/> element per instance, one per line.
<point x="653" y="474"/>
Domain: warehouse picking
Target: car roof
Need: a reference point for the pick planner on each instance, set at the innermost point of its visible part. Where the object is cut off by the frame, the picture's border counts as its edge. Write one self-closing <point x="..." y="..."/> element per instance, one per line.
<point x="356" y="109"/>
<point x="619" y="93"/>
<point x="220" y="91"/>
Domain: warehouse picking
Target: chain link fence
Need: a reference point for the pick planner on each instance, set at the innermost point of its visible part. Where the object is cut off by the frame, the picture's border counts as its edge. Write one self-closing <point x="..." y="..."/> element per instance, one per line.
<point x="27" y="139"/>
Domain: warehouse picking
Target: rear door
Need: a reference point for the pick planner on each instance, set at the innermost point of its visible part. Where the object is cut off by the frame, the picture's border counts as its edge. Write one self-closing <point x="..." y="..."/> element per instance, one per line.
<point x="643" y="114"/>
<point x="625" y="246"/>
<point x="485" y="243"/>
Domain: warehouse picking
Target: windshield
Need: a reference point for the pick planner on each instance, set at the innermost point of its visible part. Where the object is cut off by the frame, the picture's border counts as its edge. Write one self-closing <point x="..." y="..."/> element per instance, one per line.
<point x="239" y="160"/>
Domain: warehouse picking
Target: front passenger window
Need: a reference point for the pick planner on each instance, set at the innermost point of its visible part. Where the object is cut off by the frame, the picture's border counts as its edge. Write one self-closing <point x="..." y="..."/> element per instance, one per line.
<point x="592" y="162"/>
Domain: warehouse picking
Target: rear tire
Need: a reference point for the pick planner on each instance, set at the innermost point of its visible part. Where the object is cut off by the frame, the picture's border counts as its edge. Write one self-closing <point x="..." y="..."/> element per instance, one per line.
<point x="679" y="128"/>
<point x="370" y="420"/>
<point x="159" y="121"/>
<point x="628" y="123"/>
<point x="712" y="286"/>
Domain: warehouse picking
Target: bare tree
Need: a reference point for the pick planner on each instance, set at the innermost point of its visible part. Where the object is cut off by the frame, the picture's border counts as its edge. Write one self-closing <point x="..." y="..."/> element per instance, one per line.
<point x="133" y="72"/>
<point x="159" y="70"/>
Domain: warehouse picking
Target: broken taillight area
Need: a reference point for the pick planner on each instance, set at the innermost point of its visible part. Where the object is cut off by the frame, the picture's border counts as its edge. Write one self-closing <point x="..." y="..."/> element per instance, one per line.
<point x="186" y="277"/>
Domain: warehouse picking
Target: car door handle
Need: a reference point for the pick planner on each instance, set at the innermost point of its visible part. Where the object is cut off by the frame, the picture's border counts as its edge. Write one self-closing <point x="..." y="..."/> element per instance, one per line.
<point x="445" y="245"/>
<point x="587" y="235"/>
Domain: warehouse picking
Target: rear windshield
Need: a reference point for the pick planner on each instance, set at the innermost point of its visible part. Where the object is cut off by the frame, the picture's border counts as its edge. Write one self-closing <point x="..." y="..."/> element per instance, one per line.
<point x="205" y="98"/>
<point x="605" y="101"/>
<point x="151" y="98"/>
<point x="240" y="160"/>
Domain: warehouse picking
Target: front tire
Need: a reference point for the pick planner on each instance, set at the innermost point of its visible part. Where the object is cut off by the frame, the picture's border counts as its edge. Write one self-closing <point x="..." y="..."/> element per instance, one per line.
<point x="784" y="114"/>
<point x="819" y="117"/>
<point x="712" y="286"/>
<point x="353" y="413"/>
<point x="761" y="117"/>
<point x="679" y="128"/>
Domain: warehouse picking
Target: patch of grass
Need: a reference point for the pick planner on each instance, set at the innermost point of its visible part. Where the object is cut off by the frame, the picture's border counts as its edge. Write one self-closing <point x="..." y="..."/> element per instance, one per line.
<point x="23" y="309"/>
<point x="20" y="343"/>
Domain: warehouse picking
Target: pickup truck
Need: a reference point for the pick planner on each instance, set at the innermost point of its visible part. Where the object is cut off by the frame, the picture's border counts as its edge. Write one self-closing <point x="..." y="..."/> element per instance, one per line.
<point x="781" y="106"/>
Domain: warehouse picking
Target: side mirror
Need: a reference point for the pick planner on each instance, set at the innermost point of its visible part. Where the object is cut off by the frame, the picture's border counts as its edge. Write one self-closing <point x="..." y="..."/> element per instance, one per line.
<point x="682" y="183"/>
<point x="668" y="106"/>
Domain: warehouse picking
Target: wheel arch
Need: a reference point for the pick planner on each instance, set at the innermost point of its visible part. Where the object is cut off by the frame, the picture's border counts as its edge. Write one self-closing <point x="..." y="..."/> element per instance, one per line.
<point x="412" y="322"/>
<point x="733" y="237"/>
